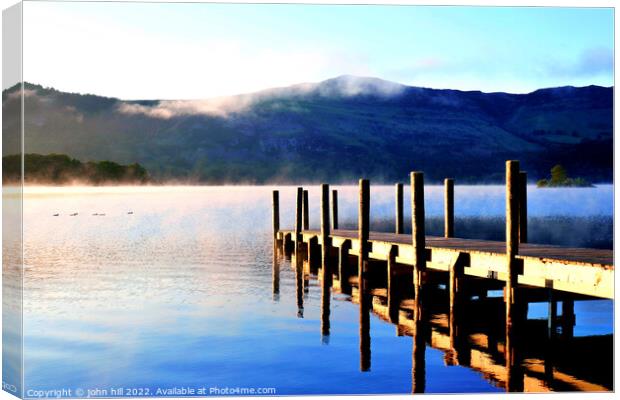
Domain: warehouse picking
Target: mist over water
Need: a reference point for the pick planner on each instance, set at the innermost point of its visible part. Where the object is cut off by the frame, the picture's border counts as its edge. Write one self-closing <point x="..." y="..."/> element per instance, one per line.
<point x="577" y="217"/>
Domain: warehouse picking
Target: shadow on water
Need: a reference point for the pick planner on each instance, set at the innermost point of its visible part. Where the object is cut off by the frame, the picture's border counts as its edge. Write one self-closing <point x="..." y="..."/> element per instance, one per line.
<point x="468" y="325"/>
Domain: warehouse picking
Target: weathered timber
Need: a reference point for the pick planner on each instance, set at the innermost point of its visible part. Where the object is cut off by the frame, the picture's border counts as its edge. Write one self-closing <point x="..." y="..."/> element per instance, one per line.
<point x="418" y="236"/>
<point x="364" y="298"/>
<point x="276" y="213"/>
<point x="448" y="212"/>
<point x="399" y="208"/>
<point x="334" y="209"/>
<point x="393" y="300"/>
<point x="298" y="216"/>
<point x="522" y="207"/>
<point x="306" y="211"/>
<point x="512" y="299"/>
<point x="588" y="272"/>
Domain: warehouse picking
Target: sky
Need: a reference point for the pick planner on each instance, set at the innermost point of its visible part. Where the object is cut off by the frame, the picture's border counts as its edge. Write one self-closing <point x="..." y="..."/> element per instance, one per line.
<point x="197" y="51"/>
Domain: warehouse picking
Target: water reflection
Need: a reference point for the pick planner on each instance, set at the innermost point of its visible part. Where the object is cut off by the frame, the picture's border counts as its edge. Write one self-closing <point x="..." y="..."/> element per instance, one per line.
<point x="466" y="321"/>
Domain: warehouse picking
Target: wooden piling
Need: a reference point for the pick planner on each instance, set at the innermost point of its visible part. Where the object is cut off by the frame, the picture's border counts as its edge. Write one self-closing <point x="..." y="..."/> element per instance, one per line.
<point x="523" y="207"/>
<point x="363" y="232"/>
<point x="362" y="265"/>
<point x="298" y="217"/>
<point x="306" y="212"/>
<point x="399" y="209"/>
<point x="568" y="318"/>
<point x="276" y="214"/>
<point x="334" y="209"/>
<point x="456" y="306"/>
<point x="313" y="253"/>
<point x="417" y="231"/>
<point x="514" y="382"/>
<point x="512" y="234"/>
<point x="325" y="226"/>
<point x="552" y="315"/>
<point x="449" y="208"/>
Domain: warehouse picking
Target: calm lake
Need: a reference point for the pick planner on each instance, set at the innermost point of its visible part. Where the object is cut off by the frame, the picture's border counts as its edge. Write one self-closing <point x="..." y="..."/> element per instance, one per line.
<point x="171" y="288"/>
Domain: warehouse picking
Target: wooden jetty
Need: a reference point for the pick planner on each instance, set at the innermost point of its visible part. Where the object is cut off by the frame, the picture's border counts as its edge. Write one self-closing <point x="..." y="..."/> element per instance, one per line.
<point x="396" y="276"/>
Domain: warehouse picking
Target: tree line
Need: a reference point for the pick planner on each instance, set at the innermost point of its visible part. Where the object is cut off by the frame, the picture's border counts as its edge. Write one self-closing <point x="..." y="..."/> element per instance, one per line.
<point x="62" y="169"/>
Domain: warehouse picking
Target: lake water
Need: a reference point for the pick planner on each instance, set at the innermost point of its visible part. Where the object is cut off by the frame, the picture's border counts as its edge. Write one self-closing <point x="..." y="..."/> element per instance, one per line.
<point x="172" y="289"/>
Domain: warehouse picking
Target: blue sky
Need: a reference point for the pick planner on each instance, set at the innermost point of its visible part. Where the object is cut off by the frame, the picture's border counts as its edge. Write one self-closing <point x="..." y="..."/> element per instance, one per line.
<point x="193" y="51"/>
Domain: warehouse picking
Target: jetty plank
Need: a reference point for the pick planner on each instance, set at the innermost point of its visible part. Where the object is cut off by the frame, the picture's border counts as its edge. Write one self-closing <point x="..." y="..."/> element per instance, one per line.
<point x="576" y="270"/>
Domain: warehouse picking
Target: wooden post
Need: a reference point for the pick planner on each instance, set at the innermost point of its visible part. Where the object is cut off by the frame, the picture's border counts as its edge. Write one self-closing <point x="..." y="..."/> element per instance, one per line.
<point x="552" y="315"/>
<point x="514" y="382"/>
<point x="399" y="209"/>
<point x="286" y="243"/>
<point x="276" y="215"/>
<point x="512" y="234"/>
<point x="306" y="212"/>
<point x="393" y="299"/>
<point x="362" y="265"/>
<point x="448" y="208"/>
<point x="363" y="232"/>
<point x="334" y="209"/>
<point x="325" y="226"/>
<point x="523" y="207"/>
<point x="313" y="253"/>
<point x="298" y="216"/>
<point x="456" y="306"/>
<point x="417" y="231"/>
<point x="568" y="318"/>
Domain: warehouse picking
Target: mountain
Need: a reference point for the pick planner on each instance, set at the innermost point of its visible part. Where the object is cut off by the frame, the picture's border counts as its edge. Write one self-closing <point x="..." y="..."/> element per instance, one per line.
<point x="334" y="131"/>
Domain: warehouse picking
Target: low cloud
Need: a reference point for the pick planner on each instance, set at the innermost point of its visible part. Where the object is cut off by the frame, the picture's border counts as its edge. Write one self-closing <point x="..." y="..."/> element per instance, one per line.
<point x="343" y="86"/>
<point x="17" y="93"/>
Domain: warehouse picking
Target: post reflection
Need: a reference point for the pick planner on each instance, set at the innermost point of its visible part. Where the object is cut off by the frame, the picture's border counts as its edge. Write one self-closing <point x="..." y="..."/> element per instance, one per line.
<point x="275" y="274"/>
<point x="297" y="261"/>
<point x="513" y="347"/>
<point x="326" y="287"/>
<point x="418" y="359"/>
<point x="364" y="310"/>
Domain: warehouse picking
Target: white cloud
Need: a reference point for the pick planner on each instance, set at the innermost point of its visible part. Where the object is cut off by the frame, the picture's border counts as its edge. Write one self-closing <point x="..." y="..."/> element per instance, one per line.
<point x="81" y="54"/>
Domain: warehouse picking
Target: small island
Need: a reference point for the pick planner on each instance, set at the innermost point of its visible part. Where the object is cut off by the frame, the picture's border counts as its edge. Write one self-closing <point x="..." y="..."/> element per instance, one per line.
<point x="60" y="169"/>
<point x="559" y="178"/>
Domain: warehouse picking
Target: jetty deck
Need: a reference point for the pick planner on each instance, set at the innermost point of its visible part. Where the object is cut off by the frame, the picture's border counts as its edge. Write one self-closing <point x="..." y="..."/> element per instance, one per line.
<point x="576" y="270"/>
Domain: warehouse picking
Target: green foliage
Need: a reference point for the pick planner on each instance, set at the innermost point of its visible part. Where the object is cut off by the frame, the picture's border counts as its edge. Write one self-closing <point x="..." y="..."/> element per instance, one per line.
<point x="560" y="178"/>
<point x="62" y="169"/>
<point x="558" y="175"/>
